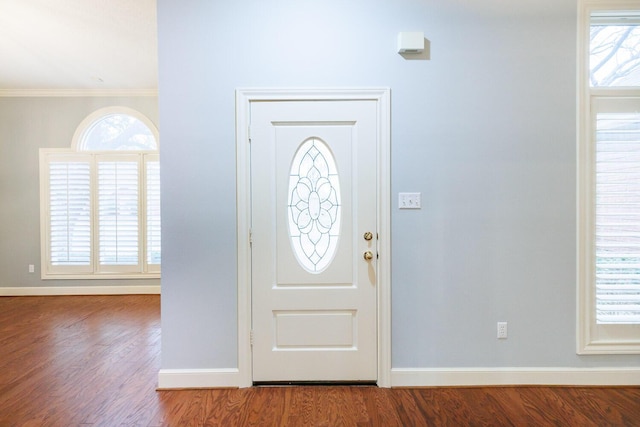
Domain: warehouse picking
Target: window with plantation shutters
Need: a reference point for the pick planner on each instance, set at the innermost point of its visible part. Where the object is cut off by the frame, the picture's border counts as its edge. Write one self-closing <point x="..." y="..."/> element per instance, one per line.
<point x="609" y="179"/>
<point x="617" y="228"/>
<point x="101" y="200"/>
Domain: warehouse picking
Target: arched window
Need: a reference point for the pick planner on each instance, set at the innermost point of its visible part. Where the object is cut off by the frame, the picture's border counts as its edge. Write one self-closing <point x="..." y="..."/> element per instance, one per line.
<point x="101" y="199"/>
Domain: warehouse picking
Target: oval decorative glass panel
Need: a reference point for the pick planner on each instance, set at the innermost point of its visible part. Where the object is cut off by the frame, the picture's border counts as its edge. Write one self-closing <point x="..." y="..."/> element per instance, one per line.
<point x="314" y="205"/>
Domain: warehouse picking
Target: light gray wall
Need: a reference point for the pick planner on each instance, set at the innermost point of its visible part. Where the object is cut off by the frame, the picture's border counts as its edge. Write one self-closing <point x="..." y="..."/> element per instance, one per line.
<point x="26" y="125"/>
<point x="485" y="129"/>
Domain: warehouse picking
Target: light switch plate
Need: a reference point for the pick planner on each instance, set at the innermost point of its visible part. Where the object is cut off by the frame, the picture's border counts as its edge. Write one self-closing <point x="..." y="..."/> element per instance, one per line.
<point x="409" y="201"/>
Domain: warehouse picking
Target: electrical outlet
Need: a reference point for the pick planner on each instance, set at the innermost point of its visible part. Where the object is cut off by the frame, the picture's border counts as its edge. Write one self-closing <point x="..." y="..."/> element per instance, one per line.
<point x="32" y="268"/>
<point x="502" y="330"/>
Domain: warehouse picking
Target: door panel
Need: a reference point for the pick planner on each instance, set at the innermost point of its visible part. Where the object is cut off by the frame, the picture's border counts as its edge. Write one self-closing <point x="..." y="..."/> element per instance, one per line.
<point x="289" y="271"/>
<point x="314" y="329"/>
<point x="313" y="311"/>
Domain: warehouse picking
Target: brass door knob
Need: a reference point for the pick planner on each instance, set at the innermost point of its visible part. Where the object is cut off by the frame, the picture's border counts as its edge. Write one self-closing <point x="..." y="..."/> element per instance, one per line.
<point x="368" y="236"/>
<point x="368" y="256"/>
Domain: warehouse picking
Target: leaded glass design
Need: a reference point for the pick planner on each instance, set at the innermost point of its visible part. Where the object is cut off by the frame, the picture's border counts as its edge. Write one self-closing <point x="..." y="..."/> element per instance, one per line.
<point x="314" y="205"/>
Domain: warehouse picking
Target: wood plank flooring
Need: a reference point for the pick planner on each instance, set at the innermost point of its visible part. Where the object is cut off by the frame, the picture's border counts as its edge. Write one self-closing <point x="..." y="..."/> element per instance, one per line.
<point x="79" y="361"/>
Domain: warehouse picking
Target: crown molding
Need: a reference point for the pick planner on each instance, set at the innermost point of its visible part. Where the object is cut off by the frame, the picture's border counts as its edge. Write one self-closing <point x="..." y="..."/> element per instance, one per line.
<point x="5" y="93"/>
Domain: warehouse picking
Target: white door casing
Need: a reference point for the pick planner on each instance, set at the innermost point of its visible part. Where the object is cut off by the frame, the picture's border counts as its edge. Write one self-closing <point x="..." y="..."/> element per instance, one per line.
<point x="332" y="324"/>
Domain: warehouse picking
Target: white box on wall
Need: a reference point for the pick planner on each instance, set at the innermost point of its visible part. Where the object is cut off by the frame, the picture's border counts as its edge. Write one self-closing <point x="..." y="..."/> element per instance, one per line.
<point x="411" y="42"/>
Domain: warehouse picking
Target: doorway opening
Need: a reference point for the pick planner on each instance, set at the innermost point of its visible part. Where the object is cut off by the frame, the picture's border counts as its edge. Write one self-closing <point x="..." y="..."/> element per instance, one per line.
<point x="272" y="126"/>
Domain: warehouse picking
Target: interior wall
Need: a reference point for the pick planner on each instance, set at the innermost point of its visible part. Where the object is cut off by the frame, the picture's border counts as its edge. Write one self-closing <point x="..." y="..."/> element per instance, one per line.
<point x="26" y="125"/>
<point x="484" y="128"/>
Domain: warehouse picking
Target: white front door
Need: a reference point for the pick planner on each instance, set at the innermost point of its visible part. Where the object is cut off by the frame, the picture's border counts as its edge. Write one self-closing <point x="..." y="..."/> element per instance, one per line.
<point x="314" y="240"/>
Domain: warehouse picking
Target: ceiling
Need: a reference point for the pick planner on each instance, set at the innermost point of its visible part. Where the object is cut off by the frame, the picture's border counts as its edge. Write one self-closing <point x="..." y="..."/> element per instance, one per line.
<point x="78" y="45"/>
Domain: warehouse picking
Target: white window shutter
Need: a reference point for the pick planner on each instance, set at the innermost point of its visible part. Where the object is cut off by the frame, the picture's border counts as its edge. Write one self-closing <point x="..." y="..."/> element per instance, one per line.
<point x="69" y="203"/>
<point x="617" y="218"/>
<point x="118" y="208"/>
<point x="153" y="211"/>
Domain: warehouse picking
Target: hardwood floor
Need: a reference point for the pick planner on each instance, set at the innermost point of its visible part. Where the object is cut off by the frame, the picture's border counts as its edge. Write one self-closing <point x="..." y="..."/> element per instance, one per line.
<point x="76" y="361"/>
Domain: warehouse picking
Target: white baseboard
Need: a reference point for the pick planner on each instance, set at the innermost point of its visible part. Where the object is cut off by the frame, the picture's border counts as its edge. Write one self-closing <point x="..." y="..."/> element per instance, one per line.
<point x="198" y="378"/>
<point x="442" y="377"/>
<point x="79" y="290"/>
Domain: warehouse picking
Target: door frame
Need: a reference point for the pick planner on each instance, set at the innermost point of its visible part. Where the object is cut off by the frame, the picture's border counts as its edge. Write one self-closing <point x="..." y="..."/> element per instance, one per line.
<point x="244" y="98"/>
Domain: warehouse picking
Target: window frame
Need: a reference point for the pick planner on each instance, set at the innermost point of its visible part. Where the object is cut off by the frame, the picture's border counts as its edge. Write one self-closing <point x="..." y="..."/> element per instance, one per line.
<point x="594" y="338"/>
<point x="143" y="270"/>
